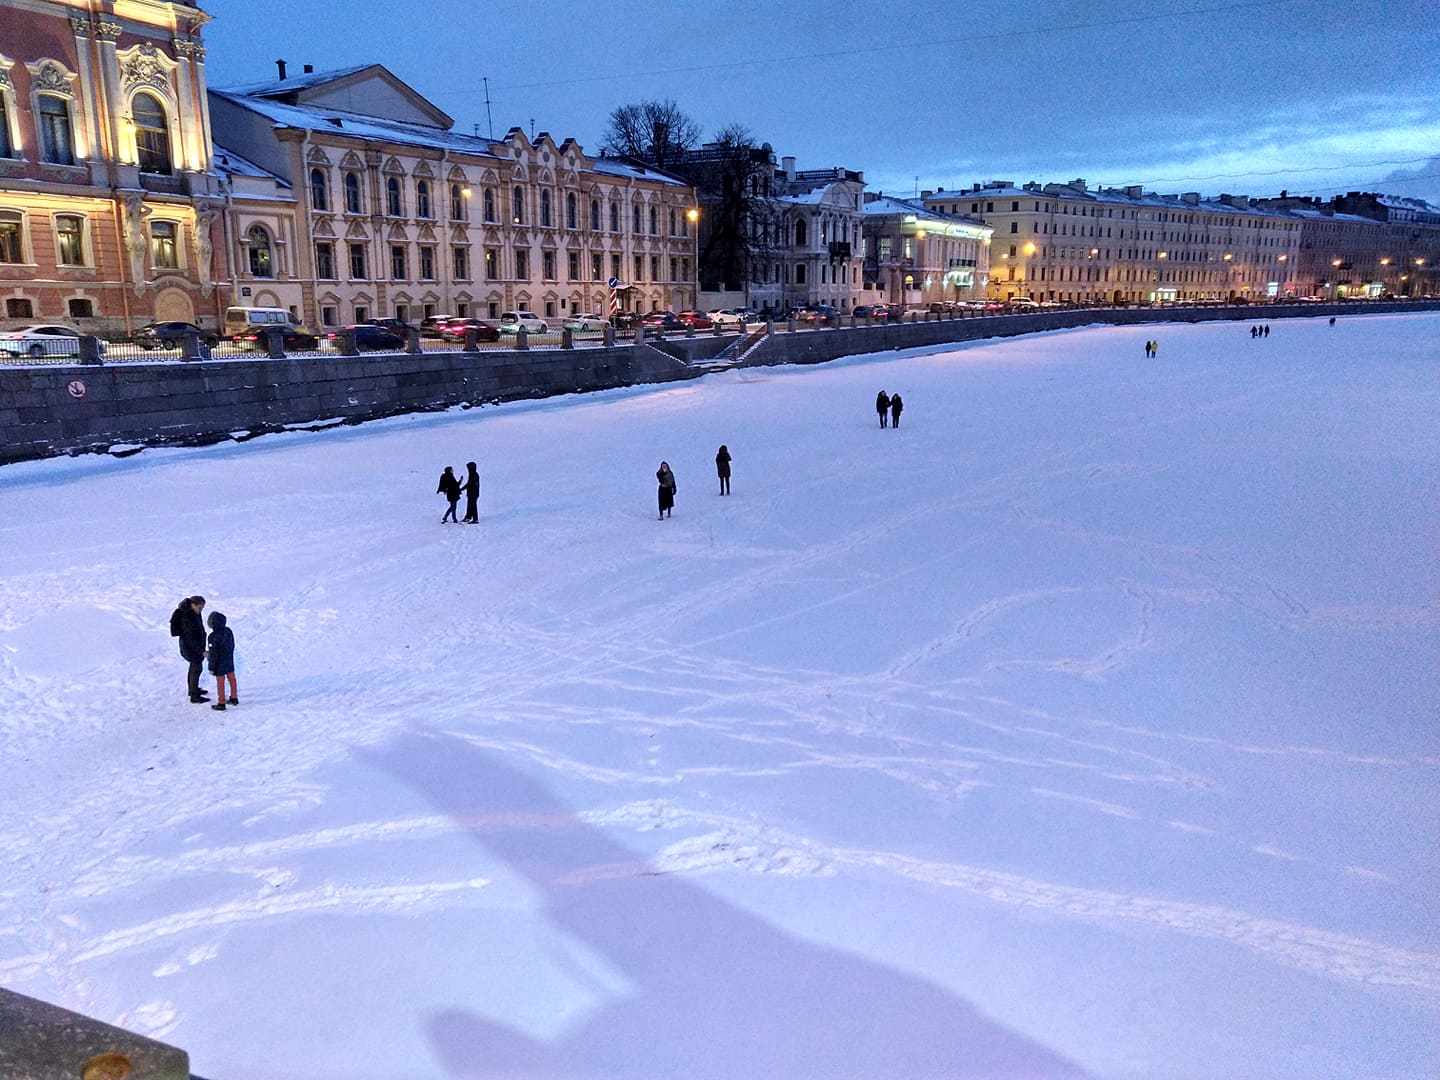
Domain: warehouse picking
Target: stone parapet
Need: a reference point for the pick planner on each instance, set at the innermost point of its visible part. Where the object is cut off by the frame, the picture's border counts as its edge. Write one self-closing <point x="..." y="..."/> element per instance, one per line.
<point x="39" y="1041"/>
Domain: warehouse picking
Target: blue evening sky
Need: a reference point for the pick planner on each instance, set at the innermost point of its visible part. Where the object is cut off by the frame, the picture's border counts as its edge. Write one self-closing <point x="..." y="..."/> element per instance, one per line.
<point x="1313" y="96"/>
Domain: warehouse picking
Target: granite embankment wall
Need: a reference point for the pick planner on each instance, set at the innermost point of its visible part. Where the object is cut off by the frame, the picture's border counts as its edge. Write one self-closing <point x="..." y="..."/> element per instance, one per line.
<point x="49" y="411"/>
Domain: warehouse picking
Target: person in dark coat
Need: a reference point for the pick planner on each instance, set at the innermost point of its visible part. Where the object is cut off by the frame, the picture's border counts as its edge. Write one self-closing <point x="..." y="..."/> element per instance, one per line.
<point x="222" y="660"/>
<point x="667" y="488"/>
<point x="882" y="406"/>
<point x="896" y="405"/>
<point x="449" y="486"/>
<point x="186" y="624"/>
<point x="722" y="468"/>
<point x="472" y="494"/>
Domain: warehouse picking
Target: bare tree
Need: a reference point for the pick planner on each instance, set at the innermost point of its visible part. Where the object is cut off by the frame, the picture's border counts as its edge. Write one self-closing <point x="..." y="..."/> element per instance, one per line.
<point x="654" y="131"/>
<point x="735" y="181"/>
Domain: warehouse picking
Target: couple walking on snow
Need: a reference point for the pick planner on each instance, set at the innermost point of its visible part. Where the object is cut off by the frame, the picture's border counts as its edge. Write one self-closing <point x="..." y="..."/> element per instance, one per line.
<point x="451" y="488"/>
<point x="891" y="405"/>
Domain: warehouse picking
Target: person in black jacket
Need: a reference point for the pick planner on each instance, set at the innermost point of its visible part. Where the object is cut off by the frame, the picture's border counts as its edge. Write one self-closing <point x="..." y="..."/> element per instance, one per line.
<point x="882" y="406"/>
<point x="896" y="405"/>
<point x="666" y="479"/>
<point x="222" y="659"/>
<point x="472" y="494"/>
<point x="449" y="486"/>
<point x="722" y="468"/>
<point x="185" y="624"/>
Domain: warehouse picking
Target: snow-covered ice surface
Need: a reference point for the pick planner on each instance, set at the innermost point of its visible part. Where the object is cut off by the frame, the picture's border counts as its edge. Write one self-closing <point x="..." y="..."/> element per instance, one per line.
<point x="1084" y="726"/>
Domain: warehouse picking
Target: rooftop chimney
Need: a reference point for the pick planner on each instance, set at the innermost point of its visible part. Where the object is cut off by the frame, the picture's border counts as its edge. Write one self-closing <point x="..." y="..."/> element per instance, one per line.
<point x="281" y="65"/>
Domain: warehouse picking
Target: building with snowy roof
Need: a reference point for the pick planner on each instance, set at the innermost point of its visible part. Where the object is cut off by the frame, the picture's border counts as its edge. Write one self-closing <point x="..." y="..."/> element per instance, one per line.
<point x="395" y="214"/>
<point x="915" y="255"/>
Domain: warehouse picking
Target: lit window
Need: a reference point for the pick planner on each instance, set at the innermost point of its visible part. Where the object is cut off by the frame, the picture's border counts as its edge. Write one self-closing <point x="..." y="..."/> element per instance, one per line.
<point x="11" y="237"/>
<point x="70" y="239"/>
<point x="164" y="252"/>
<point x="152" y="134"/>
<point x="261" y="264"/>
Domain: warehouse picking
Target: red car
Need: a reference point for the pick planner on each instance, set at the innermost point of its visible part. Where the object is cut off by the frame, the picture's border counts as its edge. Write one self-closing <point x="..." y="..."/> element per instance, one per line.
<point x="697" y="320"/>
<point x="455" y="329"/>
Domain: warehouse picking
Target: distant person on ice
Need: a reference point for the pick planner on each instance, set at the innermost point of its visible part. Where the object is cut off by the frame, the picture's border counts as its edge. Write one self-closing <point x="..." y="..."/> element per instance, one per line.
<point x="449" y="486"/>
<point x="722" y="468"/>
<point x="882" y="406"/>
<point x="222" y="660"/>
<point x="667" y="488"/>
<point x="472" y="494"/>
<point x="896" y="405"/>
<point x="186" y="624"/>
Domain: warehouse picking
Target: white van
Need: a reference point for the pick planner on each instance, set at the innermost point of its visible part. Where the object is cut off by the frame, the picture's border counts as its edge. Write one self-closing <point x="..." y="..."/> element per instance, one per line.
<point x="239" y="319"/>
<point x="512" y="321"/>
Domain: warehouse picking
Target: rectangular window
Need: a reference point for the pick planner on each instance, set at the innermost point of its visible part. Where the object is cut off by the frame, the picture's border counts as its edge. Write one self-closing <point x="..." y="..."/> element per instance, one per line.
<point x="654" y="267"/>
<point x="615" y="267"/>
<point x="362" y="314"/>
<point x="595" y="274"/>
<point x="398" y="269"/>
<point x="574" y="261"/>
<point x="328" y="316"/>
<point x="462" y="263"/>
<point x="639" y="267"/>
<point x="492" y="264"/>
<point x="358" y="270"/>
<point x="325" y="261"/>
<point x="163" y="251"/>
<point x="522" y="265"/>
<point x="427" y="266"/>
<point x="19" y="309"/>
<point x="11" y="250"/>
<point x="54" y="121"/>
<point x="549" y="265"/>
<point x="70" y="240"/>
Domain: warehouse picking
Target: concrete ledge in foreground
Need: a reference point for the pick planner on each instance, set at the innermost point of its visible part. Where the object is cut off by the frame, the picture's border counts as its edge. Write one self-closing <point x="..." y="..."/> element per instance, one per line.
<point x="39" y="1041"/>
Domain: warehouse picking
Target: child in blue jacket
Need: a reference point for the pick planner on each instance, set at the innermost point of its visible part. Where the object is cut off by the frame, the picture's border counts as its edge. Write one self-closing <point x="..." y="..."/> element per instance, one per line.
<point x="222" y="660"/>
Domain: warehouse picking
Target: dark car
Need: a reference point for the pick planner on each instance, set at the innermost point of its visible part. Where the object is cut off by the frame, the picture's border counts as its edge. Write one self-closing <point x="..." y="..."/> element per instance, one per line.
<point x="818" y="315"/>
<point x="661" y="320"/>
<point x="368" y="336"/>
<point x="399" y="327"/>
<point x="697" y="320"/>
<point x="625" y="320"/>
<point x="293" y="339"/>
<point x="454" y="330"/>
<point x="170" y="335"/>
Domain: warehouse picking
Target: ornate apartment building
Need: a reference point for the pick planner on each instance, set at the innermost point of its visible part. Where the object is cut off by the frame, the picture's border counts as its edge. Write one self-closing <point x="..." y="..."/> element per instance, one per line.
<point x="914" y="255"/>
<point x="109" y="207"/>
<point x="353" y="199"/>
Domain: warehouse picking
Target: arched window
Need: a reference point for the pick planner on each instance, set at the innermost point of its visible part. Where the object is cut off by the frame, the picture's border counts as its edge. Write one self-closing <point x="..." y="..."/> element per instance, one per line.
<point x="489" y="204"/>
<point x="594" y="215"/>
<point x="12" y="237"/>
<point x="422" y="199"/>
<point x="517" y="205"/>
<point x="654" y="221"/>
<point x="70" y="239"/>
<point x="672" y="221"/>
<point x="570" y="210"/>
<point x="545" y="208"/>
<point x="614" y="217"/>
<point x="801" y="233"/>
<point x="393" y="204"/>
<point x="352" y="193"/>
<point x="261" y="264"/>
<point x="457" y="203"/>
<point x="319" y="190"/>
<point x="56" y="145"/>
<point x="636" y="227"/>
<point x="152" y="134"/>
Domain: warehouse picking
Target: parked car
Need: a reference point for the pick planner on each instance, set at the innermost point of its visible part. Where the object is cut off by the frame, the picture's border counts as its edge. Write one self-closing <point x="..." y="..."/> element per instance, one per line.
<point x="293" y="339"/>
<point x="696" y="320"/>
<point x="749" y="314"/>
<point x="626" y="320"/>
<point x="816" y="315"/>
<point x="368" y="336"/>
<point x="1022" y="303"/>
<point x="585" y="321"/>
<point x="433" y="325"/>
<point x="170" y="335"/>
<point x="727" y="319"/>
<point x="454" y="330"/>
<point x="42" y="340"/>
<point x="512" y="321"/>
<point x="661" y="320"/>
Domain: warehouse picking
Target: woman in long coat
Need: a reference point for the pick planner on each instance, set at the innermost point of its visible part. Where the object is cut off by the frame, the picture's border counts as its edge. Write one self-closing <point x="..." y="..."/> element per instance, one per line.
<point x="722" y="468"/>
<point x="472" y="494"/>
<point x="449" y="486"/>
<point x="667" y="488"/>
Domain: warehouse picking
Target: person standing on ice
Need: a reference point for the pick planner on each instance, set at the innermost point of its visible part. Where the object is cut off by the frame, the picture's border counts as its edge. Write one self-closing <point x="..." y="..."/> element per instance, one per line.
<point x="449" y="486"/>
<point x="667" y="488"/>
<point x="882" y="406"/>
<point x="185" y="624"/>
<point x="222" y="660"/>
<point x="472" y="494"/>
<point x="896" y="405"/>
<point x="722" y="468"/>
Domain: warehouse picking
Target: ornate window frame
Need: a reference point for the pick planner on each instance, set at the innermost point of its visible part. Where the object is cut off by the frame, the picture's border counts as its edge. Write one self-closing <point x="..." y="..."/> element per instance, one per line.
<point x="51" y="78"/>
